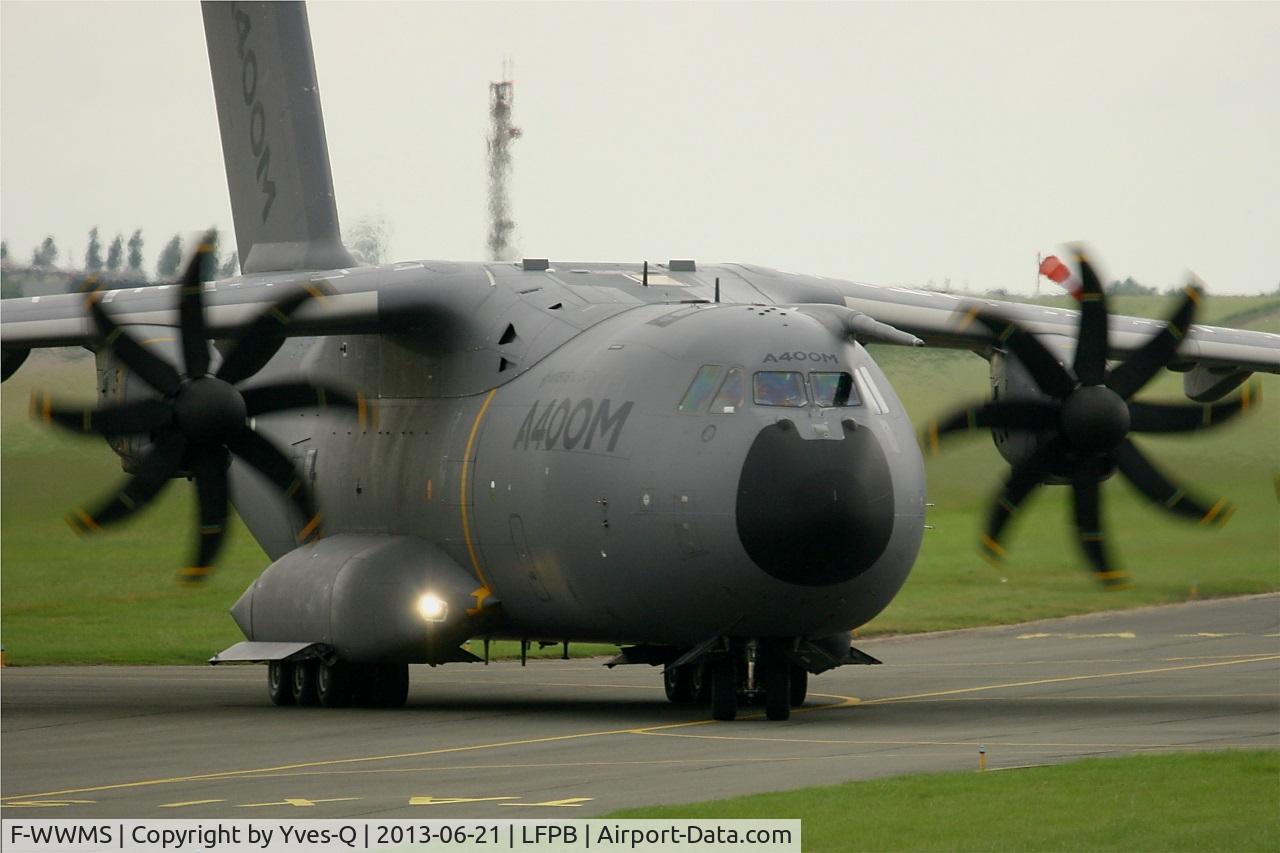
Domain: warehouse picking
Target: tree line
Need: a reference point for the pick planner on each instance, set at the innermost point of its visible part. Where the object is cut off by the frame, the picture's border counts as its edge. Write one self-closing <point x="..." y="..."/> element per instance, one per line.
<point x="122" y="259"/>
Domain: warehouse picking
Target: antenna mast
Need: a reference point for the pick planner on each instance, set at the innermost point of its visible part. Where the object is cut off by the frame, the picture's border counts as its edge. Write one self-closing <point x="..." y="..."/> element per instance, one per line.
<point x="501" y="134"/>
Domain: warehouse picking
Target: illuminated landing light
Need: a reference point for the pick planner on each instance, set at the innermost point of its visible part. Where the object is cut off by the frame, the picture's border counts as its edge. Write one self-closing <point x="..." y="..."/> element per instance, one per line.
<point x="432" y="608"/>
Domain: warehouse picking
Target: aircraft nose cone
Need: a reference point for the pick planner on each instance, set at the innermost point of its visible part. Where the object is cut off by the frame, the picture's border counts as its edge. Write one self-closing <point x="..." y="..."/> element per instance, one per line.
<point x="815" y="512"/>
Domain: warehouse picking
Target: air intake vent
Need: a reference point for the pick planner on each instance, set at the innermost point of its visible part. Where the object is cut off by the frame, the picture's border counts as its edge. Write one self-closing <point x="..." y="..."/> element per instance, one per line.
<point x="555" y="307"/>
<point x="535" y="264"/>
<point x="508" y="336"/>
<point x="505" y="364"/>
<point x="682" y="266"/>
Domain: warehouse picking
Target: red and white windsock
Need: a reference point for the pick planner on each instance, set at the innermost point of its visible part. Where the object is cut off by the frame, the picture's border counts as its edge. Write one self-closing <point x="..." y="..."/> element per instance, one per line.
<point x="1058" y="272"/>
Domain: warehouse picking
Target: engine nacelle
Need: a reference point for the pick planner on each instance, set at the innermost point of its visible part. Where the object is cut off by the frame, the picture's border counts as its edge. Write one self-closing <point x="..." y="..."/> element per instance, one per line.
<point x="1011" y="381"/>
<point x="118" y="384"/>
<point x="371" y="598"/>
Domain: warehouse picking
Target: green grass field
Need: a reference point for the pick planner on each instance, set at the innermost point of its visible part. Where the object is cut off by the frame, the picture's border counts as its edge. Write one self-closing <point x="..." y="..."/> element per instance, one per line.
<point x="113" y="599"/>
<point x="1203" y="802"/>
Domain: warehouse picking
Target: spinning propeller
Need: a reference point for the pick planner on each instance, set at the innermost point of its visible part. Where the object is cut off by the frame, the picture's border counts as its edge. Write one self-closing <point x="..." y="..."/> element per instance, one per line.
<point x="199" y="418"/>
<point x="1084" y="426"/>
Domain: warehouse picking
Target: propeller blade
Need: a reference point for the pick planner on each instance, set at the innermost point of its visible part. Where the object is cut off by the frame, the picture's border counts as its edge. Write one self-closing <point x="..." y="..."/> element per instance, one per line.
<point x="1028" y="415"/>
<point x="1039" y="362"/>
<point x="195" y="344"/>
<point x="126" y="419"/>
<point x="1139" y="368"/>
<point x="280" y="396"/>
<point x="153" y="370"/>
<point x="277" y="468"/>
<point x="1091" y="347"/>
<point x="1093" y="542"/>
<point x="1022" y="482"/>
<point x="1170" y="417"/>
<point x="1133" y="463"/>
<point x="210" y="470"/>
<point x="265" y="335"/>
<point x="154" y="472"/>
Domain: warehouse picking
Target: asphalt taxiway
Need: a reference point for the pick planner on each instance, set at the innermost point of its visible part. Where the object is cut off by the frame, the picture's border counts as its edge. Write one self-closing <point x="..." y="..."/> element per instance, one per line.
<point x="575" y="739"/>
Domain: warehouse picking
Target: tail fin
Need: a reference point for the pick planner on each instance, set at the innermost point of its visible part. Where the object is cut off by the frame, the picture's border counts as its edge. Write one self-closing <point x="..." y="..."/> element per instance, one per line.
<point x="264" y="82"/>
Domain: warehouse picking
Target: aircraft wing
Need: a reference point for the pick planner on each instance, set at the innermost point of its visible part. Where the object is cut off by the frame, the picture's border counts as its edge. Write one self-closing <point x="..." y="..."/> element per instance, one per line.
<point x="939" y="320"/>
<point x="376" y="299"/>
<point x="64" y="320"/>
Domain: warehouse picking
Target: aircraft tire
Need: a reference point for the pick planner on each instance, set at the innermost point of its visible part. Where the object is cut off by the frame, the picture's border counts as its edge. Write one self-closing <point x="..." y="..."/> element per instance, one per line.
<point x="304" y="683"/>
<point x="724" y="690"/>
<point x="799" y="685"/>
<point x="280" y="682"/>
<point x="390" y="685"/>
<point x="777" y="690"/>
<point x="333" y="684"/>
<point x="678" y="683"/>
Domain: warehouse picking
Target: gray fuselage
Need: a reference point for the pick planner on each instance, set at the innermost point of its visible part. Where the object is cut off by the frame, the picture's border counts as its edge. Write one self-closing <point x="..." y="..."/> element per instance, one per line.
<point x="590" y="487"/>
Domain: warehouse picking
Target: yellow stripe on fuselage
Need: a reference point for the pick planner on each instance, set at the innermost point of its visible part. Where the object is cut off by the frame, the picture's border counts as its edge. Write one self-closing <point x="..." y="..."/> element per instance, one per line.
<point x="462" y="496"/>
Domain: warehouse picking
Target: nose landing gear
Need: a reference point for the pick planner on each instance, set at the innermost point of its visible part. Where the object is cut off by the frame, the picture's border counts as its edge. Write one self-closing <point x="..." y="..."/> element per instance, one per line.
<point x="740" y="673"/>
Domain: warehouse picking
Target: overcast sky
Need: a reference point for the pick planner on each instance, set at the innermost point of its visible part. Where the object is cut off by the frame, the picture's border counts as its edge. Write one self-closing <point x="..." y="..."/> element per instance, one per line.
<point x="896" y="143"/>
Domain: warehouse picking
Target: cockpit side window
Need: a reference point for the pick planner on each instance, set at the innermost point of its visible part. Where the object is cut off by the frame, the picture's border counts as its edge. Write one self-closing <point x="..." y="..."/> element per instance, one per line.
<point x="729" y="400"/>
<point x="780" y="388"/>
<point x="701" y="389"/>
<point x="834" y="389"/>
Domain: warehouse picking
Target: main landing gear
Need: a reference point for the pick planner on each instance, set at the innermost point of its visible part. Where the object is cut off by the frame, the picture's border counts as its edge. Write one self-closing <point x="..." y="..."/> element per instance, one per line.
<point x="337" y="684"/>
<point x="753" y="673"/>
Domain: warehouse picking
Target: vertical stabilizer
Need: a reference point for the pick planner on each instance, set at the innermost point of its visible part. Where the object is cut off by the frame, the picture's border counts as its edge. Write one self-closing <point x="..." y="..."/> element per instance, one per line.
<point x="273" y="143"/>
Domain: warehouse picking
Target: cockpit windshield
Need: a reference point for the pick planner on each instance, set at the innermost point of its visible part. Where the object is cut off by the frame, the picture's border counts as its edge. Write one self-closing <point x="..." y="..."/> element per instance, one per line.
<point x="780" y="388"/>
<point x="834" y="389"/>
<point x="702" y="387"/>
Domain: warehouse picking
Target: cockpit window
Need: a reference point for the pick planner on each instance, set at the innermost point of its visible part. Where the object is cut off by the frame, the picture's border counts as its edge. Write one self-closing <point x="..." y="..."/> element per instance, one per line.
<point x="780" y="388"/>
<point x="834" y="389"/>
<point x="729" y="400"/>
<point x="701" y="389"/>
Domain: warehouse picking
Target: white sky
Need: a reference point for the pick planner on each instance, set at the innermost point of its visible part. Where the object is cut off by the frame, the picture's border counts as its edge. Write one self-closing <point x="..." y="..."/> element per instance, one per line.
<point x="892" y="143"/>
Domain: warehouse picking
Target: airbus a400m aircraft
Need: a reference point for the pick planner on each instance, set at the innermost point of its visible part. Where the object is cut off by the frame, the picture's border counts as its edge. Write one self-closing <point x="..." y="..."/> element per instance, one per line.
<point x="698" y="462"/>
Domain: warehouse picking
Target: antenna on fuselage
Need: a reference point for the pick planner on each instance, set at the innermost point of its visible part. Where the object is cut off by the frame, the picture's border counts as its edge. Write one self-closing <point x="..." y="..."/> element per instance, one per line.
<point x="717" y="288"/>
<point x="644" y="276"/>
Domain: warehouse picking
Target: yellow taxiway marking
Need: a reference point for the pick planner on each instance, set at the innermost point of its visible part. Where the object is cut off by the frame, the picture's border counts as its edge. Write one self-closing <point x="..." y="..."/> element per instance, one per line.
<point x="1118" y="635"/>
<point x="189" y="803"/>
<point x="1209" y="634"/>
<point x="570" y="803"/>
<point x="1066" y="678"/>
<point x="45" y="804"/>
<point x="334" y="762"/>
<point x="841" y="702"/>
<point x="448" y="801"/>
<point x="300" y="802"/>
<point x="1031" y="745"/>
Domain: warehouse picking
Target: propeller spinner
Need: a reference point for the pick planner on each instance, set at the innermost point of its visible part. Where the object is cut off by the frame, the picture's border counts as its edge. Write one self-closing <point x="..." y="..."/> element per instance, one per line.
<point x="200" y="419"/>
<point x="1085" y="424"/>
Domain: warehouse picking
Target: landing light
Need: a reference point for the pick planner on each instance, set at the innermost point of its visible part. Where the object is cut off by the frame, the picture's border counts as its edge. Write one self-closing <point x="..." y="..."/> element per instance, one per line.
<point x="432" y="608"/>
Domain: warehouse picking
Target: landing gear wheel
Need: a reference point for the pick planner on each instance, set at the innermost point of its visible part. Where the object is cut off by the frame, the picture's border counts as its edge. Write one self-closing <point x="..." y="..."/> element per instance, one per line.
<point x="304" y="683"/>
<point x="390" y="685"/>
<point x="333" y="684"/>
<point x="799" y="685"/>
<point x="724" y="690"/>
<point x="280" y="682"/>
<point x="777" y="690"/>
<point x="678" y="683"/>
